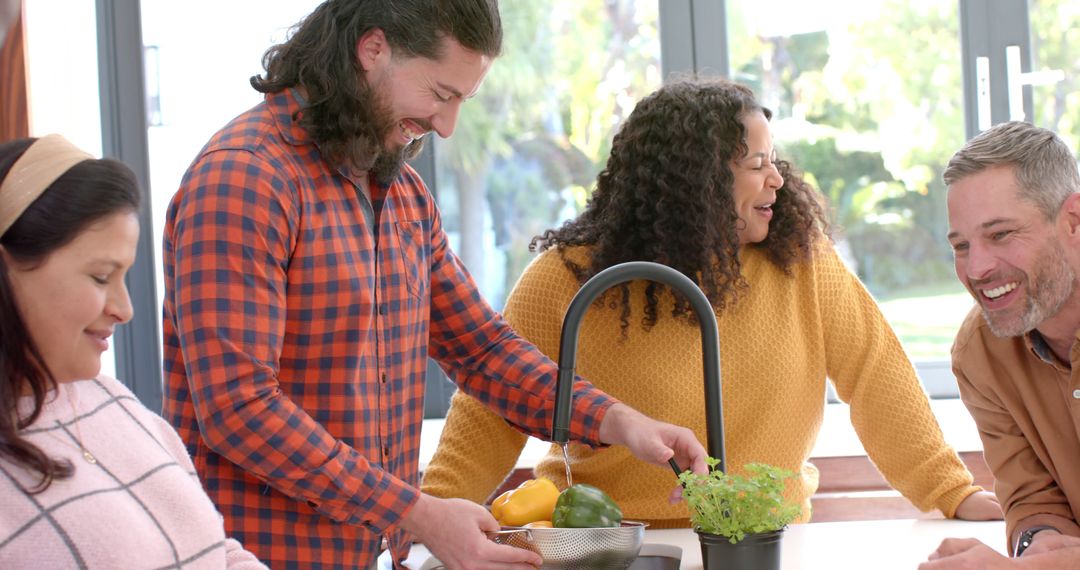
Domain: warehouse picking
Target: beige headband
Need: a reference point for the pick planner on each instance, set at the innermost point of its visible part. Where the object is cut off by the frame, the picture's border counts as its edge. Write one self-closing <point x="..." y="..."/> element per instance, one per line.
<point x="45" y="160"/>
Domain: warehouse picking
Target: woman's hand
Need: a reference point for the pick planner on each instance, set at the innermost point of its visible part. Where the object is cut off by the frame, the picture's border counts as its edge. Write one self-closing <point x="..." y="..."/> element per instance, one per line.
<point x="981" y="506"/>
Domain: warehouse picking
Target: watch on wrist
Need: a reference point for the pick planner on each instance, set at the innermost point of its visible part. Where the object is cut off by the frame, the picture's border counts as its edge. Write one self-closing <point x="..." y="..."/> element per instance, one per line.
<point x="1024" y="540"/>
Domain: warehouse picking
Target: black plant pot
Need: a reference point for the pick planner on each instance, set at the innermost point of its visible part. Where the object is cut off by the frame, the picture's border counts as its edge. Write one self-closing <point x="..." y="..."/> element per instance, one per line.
<point x="753" y="552"/>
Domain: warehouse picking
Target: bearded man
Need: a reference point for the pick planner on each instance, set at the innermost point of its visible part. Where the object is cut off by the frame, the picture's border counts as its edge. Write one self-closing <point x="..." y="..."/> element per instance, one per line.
<point x="308" y="278"/>
<point x="1014" y="227"/>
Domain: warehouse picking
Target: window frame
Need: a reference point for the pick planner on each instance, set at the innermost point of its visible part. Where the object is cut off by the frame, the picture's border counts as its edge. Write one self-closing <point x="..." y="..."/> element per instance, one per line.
<point x="693" y="38"/>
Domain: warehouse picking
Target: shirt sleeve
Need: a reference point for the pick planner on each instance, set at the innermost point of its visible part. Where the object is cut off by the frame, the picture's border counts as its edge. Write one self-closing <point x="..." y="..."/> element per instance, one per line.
<point x="889" y="409"/>
<point x="1028" y="493"/>
<point x="490" y="362"/>
<point x="236" y="556"/>
<point x="235" y="225"/>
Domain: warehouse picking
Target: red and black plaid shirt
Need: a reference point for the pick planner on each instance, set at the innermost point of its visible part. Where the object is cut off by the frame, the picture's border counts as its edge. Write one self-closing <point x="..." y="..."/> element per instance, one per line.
<point x="296" y="337"/>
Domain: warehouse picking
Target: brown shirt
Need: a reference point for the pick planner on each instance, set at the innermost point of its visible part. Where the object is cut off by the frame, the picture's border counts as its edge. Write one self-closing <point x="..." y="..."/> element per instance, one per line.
<point x="1026" y="404"/>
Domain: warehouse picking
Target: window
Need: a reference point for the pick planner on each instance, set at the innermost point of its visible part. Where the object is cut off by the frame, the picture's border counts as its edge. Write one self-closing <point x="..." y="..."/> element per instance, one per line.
<point x="1055" y="30"/>
<point x="62" y="76"/>
<point x="868" y="101"/>
<point x="851" y="82"/>
<point x="528" y="148"/>
<point x="199" y="80"/>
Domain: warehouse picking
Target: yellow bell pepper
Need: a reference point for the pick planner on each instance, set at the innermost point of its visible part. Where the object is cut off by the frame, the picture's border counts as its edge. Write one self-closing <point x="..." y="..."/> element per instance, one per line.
<point x="533" y="500"/>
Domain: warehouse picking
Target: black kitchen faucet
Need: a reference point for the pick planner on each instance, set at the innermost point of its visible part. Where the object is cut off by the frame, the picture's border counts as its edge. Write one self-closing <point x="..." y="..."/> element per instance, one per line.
<point x="710" y="346"/>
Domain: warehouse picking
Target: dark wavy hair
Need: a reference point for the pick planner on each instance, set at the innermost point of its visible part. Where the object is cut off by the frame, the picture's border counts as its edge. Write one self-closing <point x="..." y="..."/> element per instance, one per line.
<point x="342" y="113"/>
<point x="87" y="192"/>
<point x="666" y="196"/>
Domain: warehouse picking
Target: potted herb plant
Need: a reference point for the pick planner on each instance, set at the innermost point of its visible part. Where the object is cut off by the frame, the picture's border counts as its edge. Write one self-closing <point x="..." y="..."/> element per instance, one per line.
<point x="739" y="519"/>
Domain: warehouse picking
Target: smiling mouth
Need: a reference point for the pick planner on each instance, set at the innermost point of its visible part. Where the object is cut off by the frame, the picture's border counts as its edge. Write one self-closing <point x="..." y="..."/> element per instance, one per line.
<point x="409" y="132"/>
<point x="997" y="292"/>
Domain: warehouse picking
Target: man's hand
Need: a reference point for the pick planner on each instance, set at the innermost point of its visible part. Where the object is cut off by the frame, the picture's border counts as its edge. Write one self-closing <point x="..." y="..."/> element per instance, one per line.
<point x="965" y="554"/>
<point x="453" y="530"/>
<point x="652" y="441"/>
<point x="981" y="506"/>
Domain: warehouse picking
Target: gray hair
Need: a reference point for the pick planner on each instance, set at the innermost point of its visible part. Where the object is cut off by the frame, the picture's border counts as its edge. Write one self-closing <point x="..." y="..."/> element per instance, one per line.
<point x="1045" y="169"/>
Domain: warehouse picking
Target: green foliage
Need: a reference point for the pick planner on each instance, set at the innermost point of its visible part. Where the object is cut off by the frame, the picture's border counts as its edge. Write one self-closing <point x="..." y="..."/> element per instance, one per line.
<point x="735" y="505"/>
<point x="538" y="132"/>
<point x="1055" y="28"/>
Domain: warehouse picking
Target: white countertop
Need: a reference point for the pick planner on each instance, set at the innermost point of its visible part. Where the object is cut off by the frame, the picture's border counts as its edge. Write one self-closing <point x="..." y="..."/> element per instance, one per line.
<point x="882" y="545"/>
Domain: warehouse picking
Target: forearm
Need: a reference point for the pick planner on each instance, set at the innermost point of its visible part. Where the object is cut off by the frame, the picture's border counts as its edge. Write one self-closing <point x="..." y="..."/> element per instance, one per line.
<point x="889" y="409"/>
<point x="896" y="425"/>
<point x="490" y="362"/>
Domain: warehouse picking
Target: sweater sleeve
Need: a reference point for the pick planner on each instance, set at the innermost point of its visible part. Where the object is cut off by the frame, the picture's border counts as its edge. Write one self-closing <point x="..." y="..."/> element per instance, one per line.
<point x="477" y="449"/>
<point x="889" y="409"/>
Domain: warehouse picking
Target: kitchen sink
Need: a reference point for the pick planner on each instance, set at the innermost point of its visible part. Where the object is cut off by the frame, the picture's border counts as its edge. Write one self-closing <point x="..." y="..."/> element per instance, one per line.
<point x="658" y="557"/>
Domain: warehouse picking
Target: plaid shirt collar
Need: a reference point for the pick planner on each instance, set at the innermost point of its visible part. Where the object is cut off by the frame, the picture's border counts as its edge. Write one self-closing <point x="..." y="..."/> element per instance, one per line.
<point x="286" y="107"/>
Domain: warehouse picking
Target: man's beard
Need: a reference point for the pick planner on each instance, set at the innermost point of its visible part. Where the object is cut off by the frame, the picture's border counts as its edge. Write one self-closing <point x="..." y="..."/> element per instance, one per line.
<point x="388" y="163"/>
<point x="382" y="163"/>
<point x="359" y="141"/>
<point x="1050" y="285"/>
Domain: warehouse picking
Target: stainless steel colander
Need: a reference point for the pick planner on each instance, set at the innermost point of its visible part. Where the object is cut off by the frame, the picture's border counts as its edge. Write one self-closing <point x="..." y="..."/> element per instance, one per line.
<point x="578" y="548"/>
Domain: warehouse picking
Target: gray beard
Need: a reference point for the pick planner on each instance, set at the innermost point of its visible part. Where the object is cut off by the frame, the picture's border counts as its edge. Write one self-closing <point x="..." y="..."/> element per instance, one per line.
<point x="1050" y="286"/>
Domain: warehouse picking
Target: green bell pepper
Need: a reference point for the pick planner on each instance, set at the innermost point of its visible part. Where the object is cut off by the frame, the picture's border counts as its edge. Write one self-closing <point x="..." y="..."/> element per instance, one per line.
<point x="585" y="506"/>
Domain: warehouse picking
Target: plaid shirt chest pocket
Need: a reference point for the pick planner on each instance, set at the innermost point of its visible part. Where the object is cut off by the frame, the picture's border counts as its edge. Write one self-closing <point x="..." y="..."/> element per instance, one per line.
<point x="414" y="247"/>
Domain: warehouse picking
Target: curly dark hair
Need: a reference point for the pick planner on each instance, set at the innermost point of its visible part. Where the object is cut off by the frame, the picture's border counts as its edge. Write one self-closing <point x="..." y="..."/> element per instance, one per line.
<point x="666" y="196"/>
<point x="342" y="113"/>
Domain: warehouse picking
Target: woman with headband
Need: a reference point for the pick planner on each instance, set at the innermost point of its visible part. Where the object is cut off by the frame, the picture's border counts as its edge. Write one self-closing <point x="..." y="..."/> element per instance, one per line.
<point x="89" y="477"/>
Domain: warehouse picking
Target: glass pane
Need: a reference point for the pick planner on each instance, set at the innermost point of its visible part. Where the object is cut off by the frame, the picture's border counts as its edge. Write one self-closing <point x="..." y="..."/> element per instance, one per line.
<point x="1055" y="36"/>
<point x="529" y="146"/>
<point x="62" y="70"/>
<point x="867" y="96"/>
<point x="198" y="81"/>
<point x="62" y="78"/>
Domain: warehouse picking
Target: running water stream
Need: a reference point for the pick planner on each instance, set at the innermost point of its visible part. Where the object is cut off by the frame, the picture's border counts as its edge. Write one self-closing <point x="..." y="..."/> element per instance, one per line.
<point x="566" y="460"/>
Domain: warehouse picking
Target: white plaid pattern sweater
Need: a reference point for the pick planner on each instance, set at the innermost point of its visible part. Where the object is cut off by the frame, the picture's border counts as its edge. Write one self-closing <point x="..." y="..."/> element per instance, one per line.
<point x="139" y="506"/>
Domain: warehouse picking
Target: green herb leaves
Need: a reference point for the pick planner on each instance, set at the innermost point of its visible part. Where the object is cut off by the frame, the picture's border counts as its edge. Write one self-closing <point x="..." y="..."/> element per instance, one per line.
<point x="737" y="505"/>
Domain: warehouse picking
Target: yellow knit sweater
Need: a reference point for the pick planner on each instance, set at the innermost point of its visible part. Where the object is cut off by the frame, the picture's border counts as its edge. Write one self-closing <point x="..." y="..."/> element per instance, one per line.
<point x="778" y="343"/>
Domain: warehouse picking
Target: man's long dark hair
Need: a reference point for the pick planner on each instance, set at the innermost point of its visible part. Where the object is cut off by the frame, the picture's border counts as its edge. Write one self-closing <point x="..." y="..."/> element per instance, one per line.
<point x="665" y="196"/>
<point x="89" y="191"/>
<point x="342" y="114"/>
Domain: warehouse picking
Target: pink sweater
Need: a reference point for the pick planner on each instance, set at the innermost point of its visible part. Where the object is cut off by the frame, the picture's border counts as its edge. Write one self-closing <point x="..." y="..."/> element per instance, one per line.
<point x="139" y="506"/>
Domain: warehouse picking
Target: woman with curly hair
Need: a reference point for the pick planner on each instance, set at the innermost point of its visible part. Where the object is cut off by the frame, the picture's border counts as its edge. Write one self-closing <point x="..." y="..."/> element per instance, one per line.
<point x="693" y="182"/>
